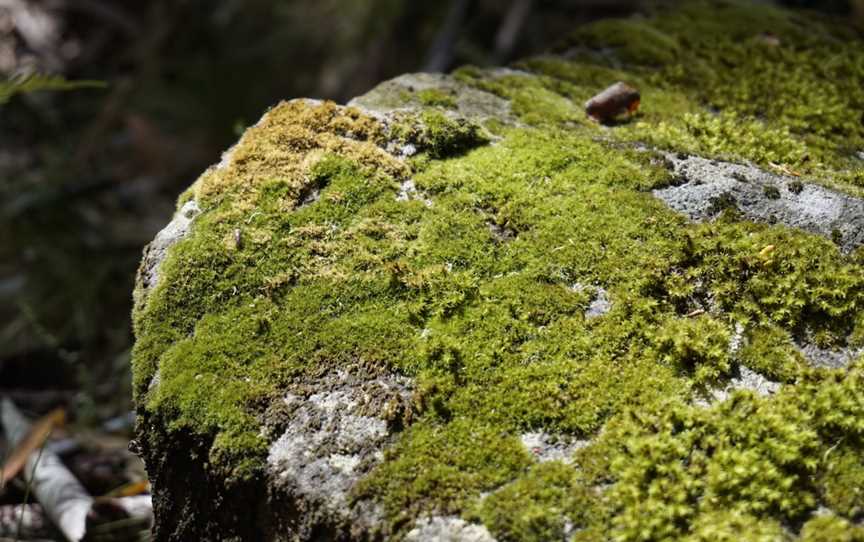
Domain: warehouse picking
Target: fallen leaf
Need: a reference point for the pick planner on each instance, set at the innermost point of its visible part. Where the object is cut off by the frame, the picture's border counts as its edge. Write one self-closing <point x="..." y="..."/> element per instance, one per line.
<point x="35" y="439"/>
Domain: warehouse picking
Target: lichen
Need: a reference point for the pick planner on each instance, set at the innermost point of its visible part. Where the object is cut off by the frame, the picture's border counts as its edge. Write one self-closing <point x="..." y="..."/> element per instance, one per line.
<point x="478" y="292"/>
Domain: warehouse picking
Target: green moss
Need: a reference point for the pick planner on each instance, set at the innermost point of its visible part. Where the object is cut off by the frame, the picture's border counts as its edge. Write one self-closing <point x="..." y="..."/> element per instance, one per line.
<point x="831" y="529"/>
<point x="844" y="479"/>
<point x="713" y="83"/>
<point x="681" y="470"/>
<point x="769" y="350"/>
<point x="530" y="98"/>
<point x="698" y="346"/>
<point x="544" y="504"/>
<point x="441" y="467"/>
<point x="438" y="133"/>
<point x="632" y="41"/>
<point x="443" y="135"/>
<point x="733" y="527"/>
<point x="436" y="98"/>
<point x="769" y="274"/>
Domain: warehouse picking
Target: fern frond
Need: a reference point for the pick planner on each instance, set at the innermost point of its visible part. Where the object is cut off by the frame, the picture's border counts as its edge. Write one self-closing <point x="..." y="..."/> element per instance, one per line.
<point x="23" y="84"/>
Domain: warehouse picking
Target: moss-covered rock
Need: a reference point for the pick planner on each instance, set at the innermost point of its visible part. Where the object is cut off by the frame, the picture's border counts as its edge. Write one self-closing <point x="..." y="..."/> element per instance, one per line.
<point x="460" y="308"/>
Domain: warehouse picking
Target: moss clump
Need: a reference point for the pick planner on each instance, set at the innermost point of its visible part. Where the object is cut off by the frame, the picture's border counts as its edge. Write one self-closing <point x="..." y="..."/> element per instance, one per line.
<point x="544" y="504"/>
<point x="831" y="529"/>
<point x="443" y="135"/>
<point x="434" y="97"/>
<point x="217" y="299"/>
<point x="770" y="274"/>
<point x="438" y="133"/>
<point x="633" y="41"/>
<point x="769" y="350"/>
<point x="726" y="135"/>
<point x="442" y="467"/>
<point x="729" y="526"/>
<point x="698" y="346"/>
<point x="843" y="478"/>
<point x="683" y="471"/>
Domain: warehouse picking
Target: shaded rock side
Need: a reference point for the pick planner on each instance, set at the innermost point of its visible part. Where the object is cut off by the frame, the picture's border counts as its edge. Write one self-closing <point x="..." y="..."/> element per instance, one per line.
<point x="458" y="308"/>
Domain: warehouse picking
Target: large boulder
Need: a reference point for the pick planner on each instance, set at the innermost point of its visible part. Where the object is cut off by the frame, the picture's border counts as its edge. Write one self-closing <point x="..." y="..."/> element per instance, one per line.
<point x="459" y="309"/>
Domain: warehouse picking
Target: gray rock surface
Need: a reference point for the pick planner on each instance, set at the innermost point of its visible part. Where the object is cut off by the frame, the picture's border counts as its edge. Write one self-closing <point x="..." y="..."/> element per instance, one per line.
<point x="600" y="302"/>
<point x="829" y="358"/>
<point x="154" y="253"/>
<point x="707" y="187"/>
<point x="470" y="103"/>
<point x="546" y="447"/>
<point x="332" y="436"/>
<point x="447" y="529"/>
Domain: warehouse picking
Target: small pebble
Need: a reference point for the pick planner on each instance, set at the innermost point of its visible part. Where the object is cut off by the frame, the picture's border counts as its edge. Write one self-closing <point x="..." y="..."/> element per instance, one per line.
<point x="616" y="100"/>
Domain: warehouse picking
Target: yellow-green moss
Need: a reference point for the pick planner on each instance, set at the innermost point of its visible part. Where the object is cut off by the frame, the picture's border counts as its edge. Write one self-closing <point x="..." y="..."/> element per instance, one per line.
<point x="435" y="97"/>
<point x="831" y="529"/>
<point x="437" y="133"/>
<point x="722" y="78"/>
<point x="769" y="350"/>
<point x="678" y="467"/>
<point x="480" y="293"/>
<point x="539" y="505"/>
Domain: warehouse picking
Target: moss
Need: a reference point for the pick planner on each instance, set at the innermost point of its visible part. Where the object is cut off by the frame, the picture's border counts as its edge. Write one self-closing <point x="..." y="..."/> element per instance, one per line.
<point x="680" y="471"/>
<point x="441" y="467"/>
<point x="197" y="329"/>
<point x="831" y="529"/>
<point x="632" y="41"/>
<point x="712" y="83"/>
<point x="726" y="136"/>
<point x="698" y="346"/>
<point x="731" y="527"/>
<point x="767" y="274"/>
<point x="843" y="479"/>
<point x="336" y="272"/>
<point x="435" y="97"/>
<point x="438" y="133"/>
<point x="530" y="98"/>
<point x="769" y="350"/>
<point x="545" y="504"/>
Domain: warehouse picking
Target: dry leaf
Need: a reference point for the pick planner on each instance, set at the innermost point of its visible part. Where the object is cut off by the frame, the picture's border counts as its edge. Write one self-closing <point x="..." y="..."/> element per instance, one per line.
<point x="34" y="440"/>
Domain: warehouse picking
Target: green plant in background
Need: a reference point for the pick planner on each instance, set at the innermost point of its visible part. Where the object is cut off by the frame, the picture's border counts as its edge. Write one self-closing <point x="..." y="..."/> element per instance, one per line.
<point x="26" y="84"/>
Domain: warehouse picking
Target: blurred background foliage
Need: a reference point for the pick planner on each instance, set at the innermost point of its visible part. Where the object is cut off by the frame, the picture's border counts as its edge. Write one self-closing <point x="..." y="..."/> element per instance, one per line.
<point x="87" y="177"/>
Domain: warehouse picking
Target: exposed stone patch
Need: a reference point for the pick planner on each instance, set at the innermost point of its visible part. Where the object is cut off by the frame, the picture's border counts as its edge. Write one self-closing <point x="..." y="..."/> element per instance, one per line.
<point x="447" y="529"/>
<point x="313" y="195"/>
<point x="737" y="339"/>
<point x="333" y="437"/>
<point x="829" y="358"/>
<point x="502" y="234"/>
<point x="710" y="186"/>
<point x="546" y="447"/>
<point x="154" y="253"/>
<point x="408" y="150"/>
<point x="746" y="379"/>
<point x="401" y="94"/>
<point x="600" y="303"/>
<point x="408" y="191"/>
